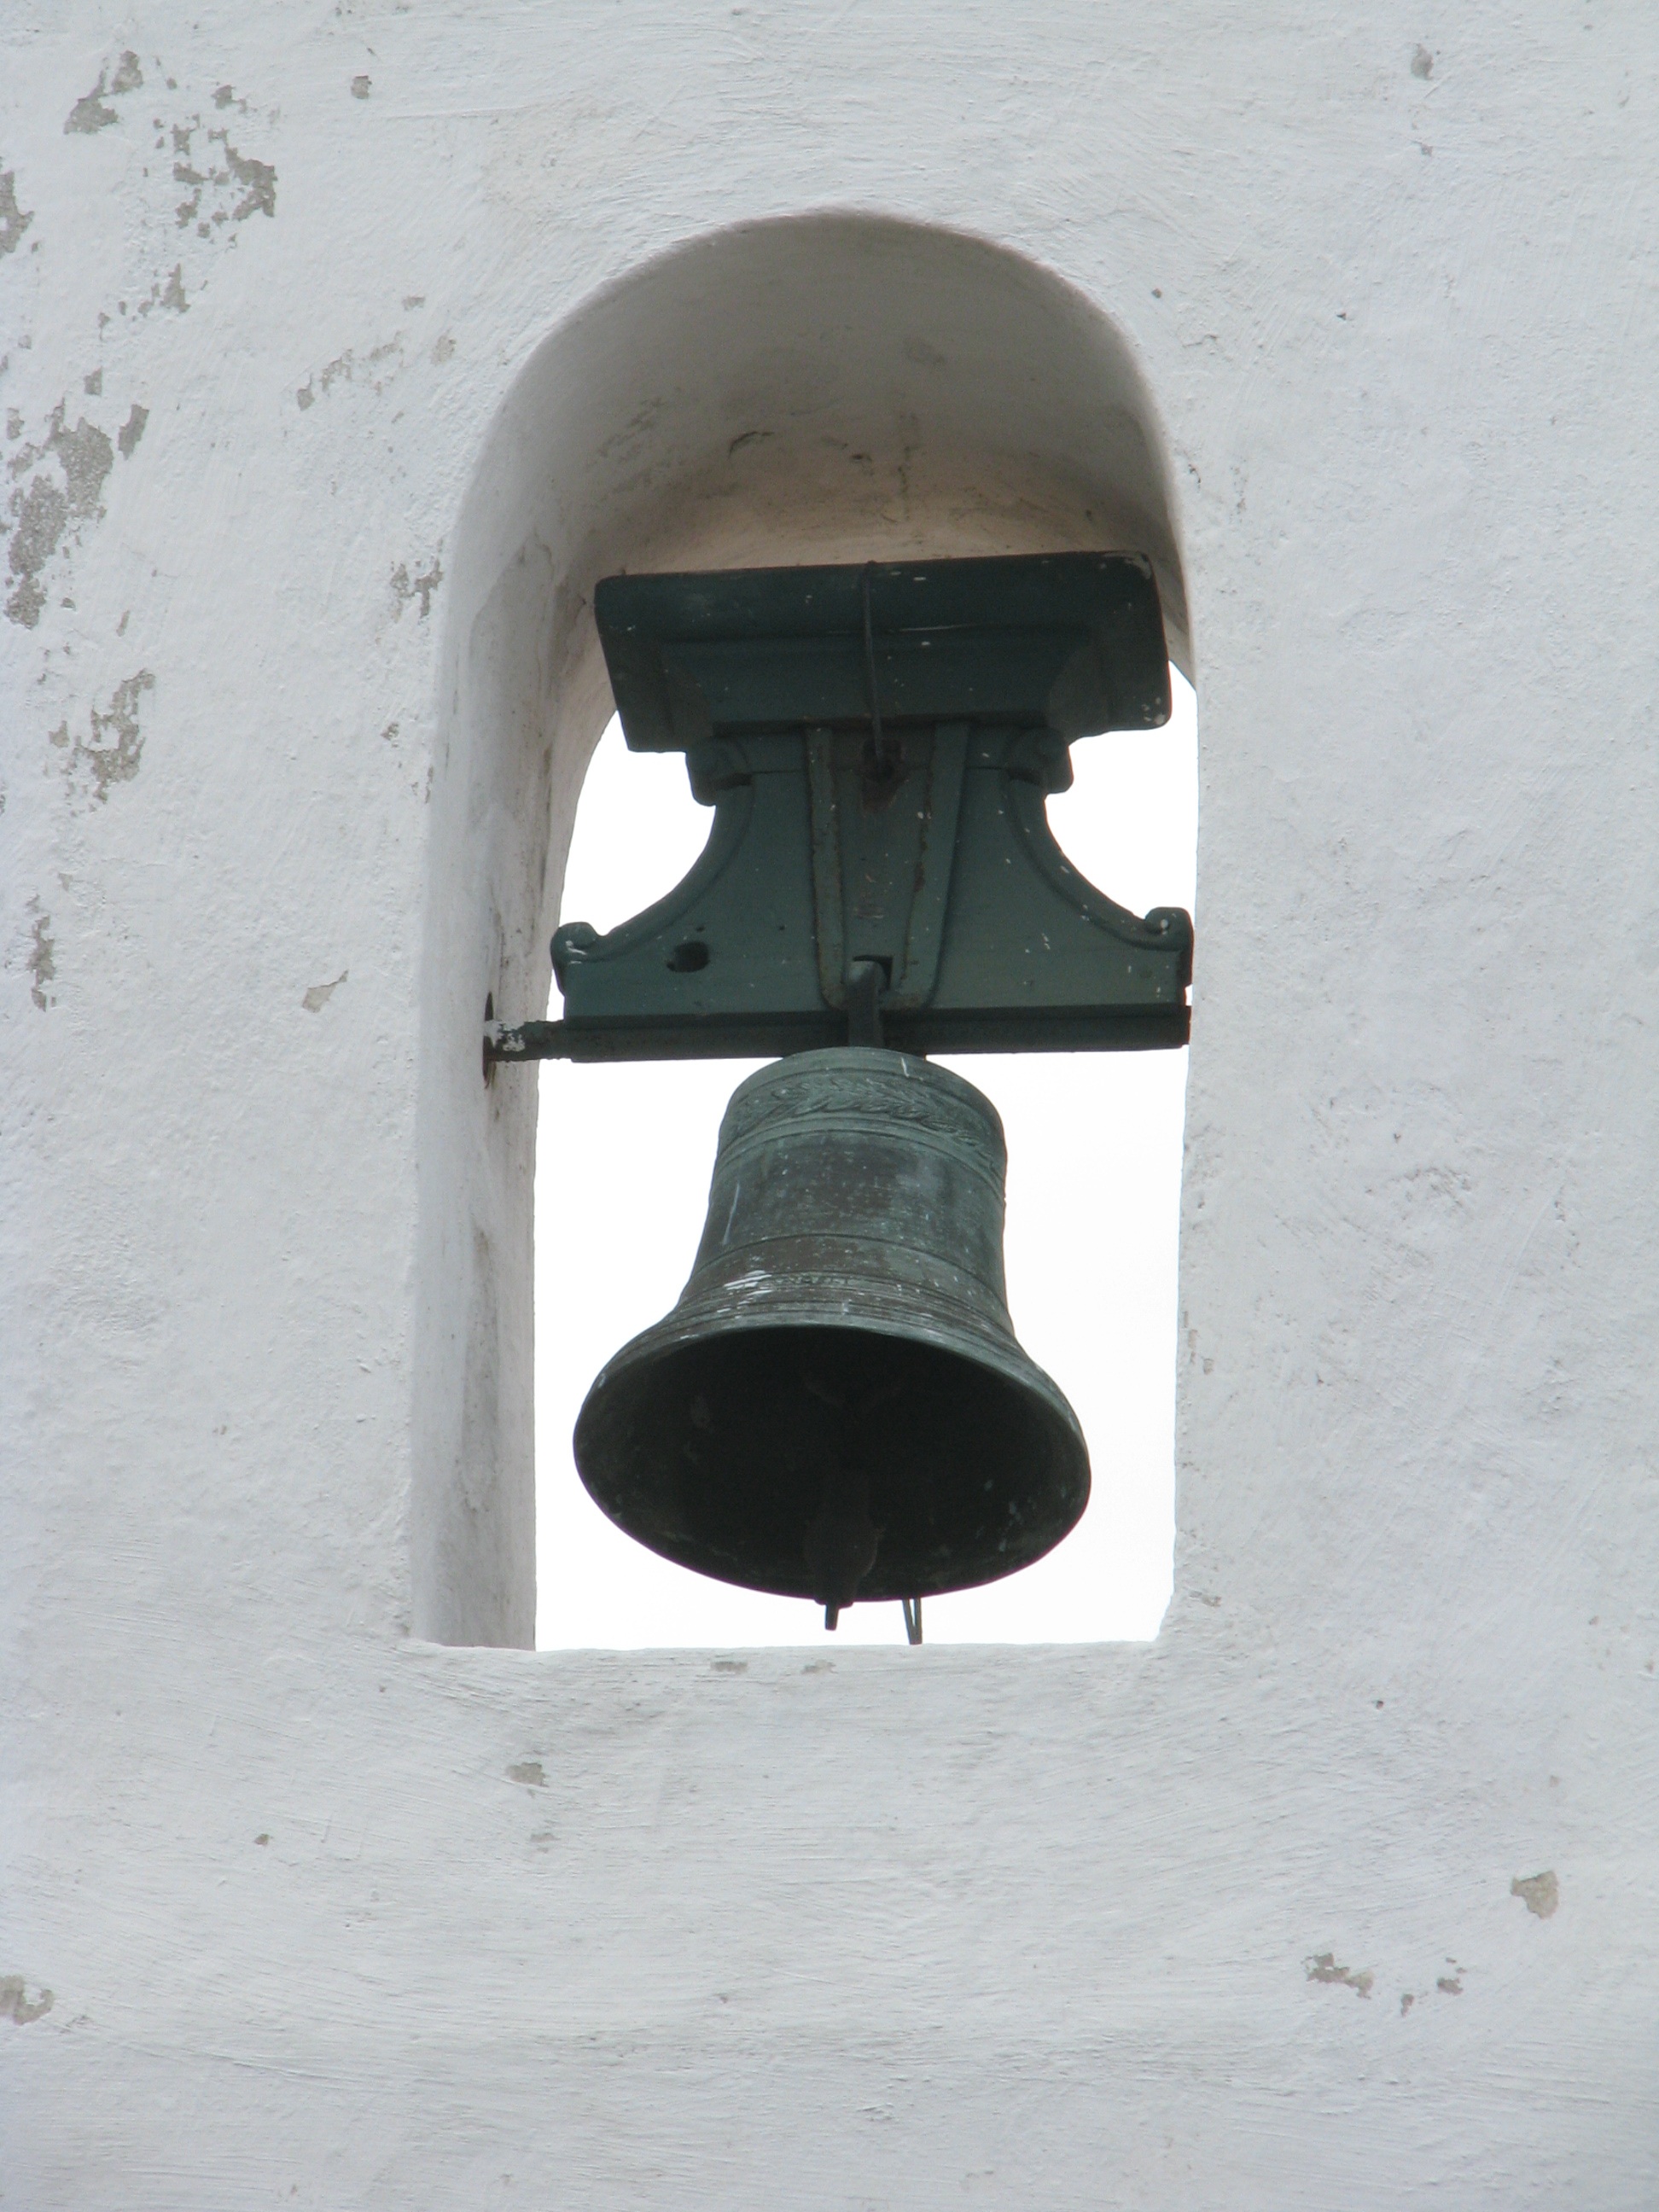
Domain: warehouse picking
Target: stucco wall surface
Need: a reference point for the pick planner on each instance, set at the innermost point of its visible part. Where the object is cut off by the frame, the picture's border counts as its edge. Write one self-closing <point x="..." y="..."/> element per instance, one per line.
<point x="342" y="346"/>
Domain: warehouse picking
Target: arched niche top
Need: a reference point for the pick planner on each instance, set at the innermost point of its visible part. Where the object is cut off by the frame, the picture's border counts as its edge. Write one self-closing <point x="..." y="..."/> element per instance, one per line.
<point x="826" y="387"/>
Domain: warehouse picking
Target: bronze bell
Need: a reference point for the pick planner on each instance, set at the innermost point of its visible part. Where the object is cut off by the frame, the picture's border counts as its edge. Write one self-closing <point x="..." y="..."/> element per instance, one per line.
<point x="838" y="1407"/>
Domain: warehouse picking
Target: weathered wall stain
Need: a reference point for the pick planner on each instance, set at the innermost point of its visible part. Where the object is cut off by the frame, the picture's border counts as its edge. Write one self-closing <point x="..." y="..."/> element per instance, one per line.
<point x="530" y="1772"/>
<point x="42" y="963"/>
<point x="233" y="189"/>
<point x="45" y="508"/>
<point x="14" y="2002"/>
<point x="131" y="430"/>
<point x="14" y="220"/>
<point x="321" y="380"/>
<point x="90" y="113"/>
<point x="344" y="368"/>
<point x="1324" y="1968"/>
<point x="110" y="758"/>
<point x="405" y="587"/>
<point x="42" y="515"/>
<point x="319" y="993"/>
<point x="223" y="186"/>
<point x="55" y="500"/>
<point x="1540" y="1893"/>
<point x="86" y="456"/>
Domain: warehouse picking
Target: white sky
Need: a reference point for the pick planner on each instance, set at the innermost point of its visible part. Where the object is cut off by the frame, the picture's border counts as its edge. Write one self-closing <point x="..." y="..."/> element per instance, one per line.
<point x="1094" y="1176"/>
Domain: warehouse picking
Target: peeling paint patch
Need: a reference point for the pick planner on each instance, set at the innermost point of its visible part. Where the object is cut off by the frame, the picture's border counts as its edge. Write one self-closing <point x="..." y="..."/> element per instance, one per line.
<point x="405" y="587"/>
<point x="218" y="192"/>
<point x="343" y="369"/>
<point x="259" y="178"/>
<point x="1540" y="1893"/>
<point x="172" y="296"/>
<point x="44" y="509"/>
<point x="319" y="993"/>
<point x="42" y="963"/>
<point x="15" y="2003"/>
<point x="1324" y="1968"/>
<point x="320" y="381"/>
<point x="86" y="457"/>
<point x="117" y="746"/>
<point x="117" y="763"/>
<point x="42" y="515"/>
<point x="529" y="1772"/>
<point x="131" y="430"/>
<point x="14" y="220"/>
<point x="360" y="88"/>
<point x="90" y="113"/>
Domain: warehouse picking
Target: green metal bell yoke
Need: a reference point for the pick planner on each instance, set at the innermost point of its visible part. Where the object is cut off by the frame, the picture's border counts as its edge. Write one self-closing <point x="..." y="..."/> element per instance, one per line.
<point x="877" y="744"/>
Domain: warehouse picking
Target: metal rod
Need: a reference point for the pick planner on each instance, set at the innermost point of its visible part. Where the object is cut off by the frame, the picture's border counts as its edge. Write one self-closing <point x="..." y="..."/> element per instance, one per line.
<point x="912" y="1607"/>
<point x="929" y="1030"/>
<point x="924" y="1029"/>
<point x="883" y="766"/>
<point x="870" y="659"/>
<point x="864" y="994"/>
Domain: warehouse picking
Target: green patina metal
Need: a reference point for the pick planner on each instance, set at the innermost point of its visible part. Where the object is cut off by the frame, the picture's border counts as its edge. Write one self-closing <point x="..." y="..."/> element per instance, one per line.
<point x="837" y="1406"/>
<point x="877" y="744"/>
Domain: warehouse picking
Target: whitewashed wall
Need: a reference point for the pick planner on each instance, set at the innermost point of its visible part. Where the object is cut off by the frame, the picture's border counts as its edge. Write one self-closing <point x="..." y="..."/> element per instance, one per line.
<point x="343" y="347"/>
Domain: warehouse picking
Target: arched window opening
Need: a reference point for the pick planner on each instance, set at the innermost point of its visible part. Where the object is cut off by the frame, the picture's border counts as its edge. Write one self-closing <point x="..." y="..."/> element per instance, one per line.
<point x="826" y="389"/>
<point x="1094" y="1144"/>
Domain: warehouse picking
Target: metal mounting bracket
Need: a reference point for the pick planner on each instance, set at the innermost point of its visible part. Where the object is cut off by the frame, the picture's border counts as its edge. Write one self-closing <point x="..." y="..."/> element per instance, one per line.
<point x="877" y="745"/>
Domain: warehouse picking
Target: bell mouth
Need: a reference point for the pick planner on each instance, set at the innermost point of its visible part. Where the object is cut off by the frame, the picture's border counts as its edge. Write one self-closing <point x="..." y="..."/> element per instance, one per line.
<point x="870" y="1455"/>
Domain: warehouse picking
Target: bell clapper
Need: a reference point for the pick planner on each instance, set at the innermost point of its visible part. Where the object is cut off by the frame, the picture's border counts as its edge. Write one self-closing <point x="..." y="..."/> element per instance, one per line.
<point x="912" y="1609"/>
<point x="842" y="1543"/>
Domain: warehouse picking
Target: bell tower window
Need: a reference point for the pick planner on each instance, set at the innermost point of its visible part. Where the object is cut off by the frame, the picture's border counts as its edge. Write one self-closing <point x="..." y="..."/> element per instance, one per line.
<point x="833" y="390"/>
